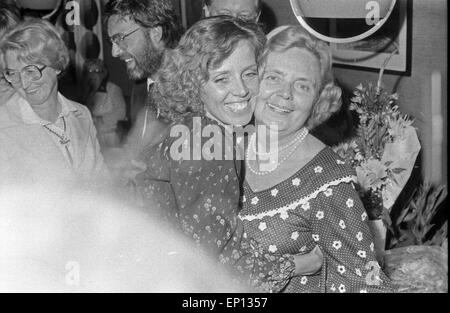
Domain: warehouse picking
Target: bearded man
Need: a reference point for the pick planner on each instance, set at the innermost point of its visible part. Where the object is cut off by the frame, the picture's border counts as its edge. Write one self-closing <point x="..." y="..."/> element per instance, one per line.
<point x="140" y="31"/>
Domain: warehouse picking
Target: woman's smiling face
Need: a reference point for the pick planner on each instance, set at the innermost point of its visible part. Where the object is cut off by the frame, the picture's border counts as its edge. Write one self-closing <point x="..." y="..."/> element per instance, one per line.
<point x="288" y="90"/>
<point x="35" y="92"/>
<point x="229" y="94"/>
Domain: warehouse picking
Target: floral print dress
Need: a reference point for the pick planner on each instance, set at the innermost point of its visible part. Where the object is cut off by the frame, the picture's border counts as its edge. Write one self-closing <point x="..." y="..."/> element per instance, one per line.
<point x="318" y="205"/>
<point x="202" y="198"/>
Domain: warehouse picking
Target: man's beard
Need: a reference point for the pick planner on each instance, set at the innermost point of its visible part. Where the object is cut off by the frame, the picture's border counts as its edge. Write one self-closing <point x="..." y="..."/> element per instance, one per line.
<point x="147" y="62"/>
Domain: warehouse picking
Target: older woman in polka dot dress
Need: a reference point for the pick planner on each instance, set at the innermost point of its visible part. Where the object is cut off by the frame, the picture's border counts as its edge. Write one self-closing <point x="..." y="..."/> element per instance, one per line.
<point x="301" y="194"/>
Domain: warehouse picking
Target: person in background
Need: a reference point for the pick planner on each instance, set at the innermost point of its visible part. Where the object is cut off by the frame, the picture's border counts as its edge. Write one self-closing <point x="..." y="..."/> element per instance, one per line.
<point x="44" y="137"/>
<point x="106" y="102"/>
<point x="307" y="196"/>
<point x="140" y="32"/>
<point x="249" y="10"/>
<point x="9" y="17"/>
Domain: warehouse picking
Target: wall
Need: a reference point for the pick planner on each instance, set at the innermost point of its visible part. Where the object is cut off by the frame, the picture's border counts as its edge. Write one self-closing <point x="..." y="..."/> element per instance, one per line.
<point x="429" y="53"/>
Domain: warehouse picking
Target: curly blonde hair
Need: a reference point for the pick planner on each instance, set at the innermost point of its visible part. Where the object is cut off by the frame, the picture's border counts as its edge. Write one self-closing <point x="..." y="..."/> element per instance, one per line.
<point x="329" y="97"/>
<point x="185" y="69"/>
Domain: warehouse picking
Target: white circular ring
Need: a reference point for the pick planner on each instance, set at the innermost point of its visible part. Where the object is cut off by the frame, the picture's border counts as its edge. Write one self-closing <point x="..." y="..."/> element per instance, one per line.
<point x="366" y="34"/>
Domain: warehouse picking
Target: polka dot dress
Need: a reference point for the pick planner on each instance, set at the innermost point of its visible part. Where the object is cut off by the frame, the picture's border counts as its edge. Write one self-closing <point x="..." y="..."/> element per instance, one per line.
<point x="201" y="198"/>
<point x="318" y="205"/>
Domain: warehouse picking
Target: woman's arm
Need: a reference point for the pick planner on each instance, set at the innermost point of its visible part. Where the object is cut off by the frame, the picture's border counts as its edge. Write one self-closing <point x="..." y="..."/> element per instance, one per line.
<point x="207" y="193"/>
<point x="206" y="199"/>
<point x="309" y="263"/>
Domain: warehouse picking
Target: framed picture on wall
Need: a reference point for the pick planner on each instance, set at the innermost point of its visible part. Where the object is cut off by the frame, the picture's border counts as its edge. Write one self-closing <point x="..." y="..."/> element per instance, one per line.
<point x="393" y="40"/>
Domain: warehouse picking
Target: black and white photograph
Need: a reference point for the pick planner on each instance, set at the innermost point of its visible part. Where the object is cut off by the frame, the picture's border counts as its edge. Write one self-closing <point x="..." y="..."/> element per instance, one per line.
<point x="217" y="153"/>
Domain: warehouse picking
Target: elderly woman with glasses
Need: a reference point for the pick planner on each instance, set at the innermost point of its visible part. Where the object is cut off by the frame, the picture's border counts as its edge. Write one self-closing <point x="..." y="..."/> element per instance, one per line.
<point x="44" y="137"/>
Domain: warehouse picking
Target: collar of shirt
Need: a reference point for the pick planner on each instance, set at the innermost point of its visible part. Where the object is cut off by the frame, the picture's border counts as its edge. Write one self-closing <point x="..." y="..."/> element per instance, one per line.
<point x="30" y="117"/>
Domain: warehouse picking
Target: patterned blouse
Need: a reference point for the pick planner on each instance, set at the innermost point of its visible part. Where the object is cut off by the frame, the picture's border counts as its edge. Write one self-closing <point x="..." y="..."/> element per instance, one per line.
<point x="202" y="198"/>
<point x="318" y="205"/>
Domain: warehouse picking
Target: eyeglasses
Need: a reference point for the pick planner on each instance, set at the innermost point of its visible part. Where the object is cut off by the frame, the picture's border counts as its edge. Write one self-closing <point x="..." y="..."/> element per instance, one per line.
<point x="243" y="16"/>
<point x="94" y="70"/>
<point x="32" y="72"/>
<point x="119" y="38"/>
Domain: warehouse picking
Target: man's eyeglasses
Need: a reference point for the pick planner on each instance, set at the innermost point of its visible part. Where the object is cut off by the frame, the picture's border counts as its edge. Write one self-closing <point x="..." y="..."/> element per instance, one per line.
<point x="32" y="72"/>
<point x="119" y="38"/>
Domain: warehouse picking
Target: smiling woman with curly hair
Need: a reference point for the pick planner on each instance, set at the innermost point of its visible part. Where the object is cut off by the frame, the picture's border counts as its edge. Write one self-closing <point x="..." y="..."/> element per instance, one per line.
<point x="186" y="69"/>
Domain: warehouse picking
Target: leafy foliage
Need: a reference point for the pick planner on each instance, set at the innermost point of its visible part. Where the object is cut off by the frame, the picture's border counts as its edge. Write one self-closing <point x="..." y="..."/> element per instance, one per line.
<point x="376" y="108"/>
<point x="415" y="225"/>
<point x="384" y="149"/>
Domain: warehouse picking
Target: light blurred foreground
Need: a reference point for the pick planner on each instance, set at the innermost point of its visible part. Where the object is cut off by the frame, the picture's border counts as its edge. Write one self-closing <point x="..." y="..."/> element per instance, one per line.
<point x="70" y="240"/>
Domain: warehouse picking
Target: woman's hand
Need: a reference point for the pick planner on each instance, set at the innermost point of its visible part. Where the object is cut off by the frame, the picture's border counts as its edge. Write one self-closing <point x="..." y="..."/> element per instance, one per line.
<point x="309" y="263"/>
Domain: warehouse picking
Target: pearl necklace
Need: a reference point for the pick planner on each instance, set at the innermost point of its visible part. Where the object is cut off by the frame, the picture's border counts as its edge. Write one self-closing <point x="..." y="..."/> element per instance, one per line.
<point x="296" y="142"/>
<point x="299" y="137"/>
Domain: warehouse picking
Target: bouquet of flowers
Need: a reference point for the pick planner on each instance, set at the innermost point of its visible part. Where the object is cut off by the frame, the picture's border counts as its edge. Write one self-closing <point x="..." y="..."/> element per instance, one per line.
<point x="384" y="150"/>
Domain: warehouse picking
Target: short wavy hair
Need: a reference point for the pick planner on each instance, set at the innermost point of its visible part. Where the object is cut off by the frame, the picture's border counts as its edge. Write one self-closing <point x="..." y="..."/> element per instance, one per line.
<point x="36" y="41"/>
<point x="185" y="69"/>
<point x="149" y="14"/>
<point x="329" y="100"/>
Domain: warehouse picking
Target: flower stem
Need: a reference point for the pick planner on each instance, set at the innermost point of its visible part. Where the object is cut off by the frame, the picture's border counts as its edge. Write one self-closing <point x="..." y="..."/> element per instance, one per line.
<point x="383" y="66"/>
